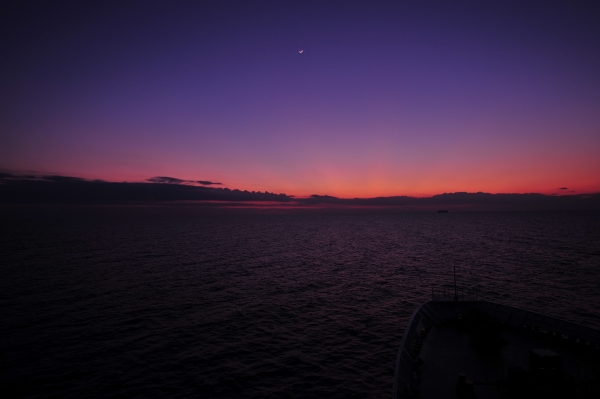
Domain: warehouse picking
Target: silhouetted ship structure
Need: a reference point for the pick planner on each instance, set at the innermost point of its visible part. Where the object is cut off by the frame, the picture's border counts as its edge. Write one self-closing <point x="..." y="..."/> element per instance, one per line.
<point x="457" y="346"/>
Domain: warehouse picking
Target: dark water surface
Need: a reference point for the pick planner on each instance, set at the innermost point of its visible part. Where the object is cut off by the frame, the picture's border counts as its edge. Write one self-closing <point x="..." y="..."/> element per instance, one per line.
<point x="179" y="302"/>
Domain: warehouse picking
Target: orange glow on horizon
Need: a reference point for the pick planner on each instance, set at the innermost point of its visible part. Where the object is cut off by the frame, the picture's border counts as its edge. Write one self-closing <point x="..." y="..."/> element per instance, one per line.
<point x="348" y="189"/>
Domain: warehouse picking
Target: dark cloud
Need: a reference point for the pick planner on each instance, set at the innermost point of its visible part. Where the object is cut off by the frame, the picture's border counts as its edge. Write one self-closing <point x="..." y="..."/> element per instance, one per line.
<point x="469" y="201"/>
<point x="207" y="183"/>
<point x="167" y="180"/>
<point x="47" y="178"/>
<point x="173" y="180"/>
<point x="563" y="188"/>
<point x="22" y="189"/>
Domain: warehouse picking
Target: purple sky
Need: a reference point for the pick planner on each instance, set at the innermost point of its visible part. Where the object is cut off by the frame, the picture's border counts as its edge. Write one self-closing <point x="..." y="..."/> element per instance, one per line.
<point x="387" y="97"/>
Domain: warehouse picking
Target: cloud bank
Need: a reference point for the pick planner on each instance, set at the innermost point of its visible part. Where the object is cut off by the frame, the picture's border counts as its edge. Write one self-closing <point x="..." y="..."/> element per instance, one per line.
<point x="54" y="189"/>
<point x="27" y="189"/>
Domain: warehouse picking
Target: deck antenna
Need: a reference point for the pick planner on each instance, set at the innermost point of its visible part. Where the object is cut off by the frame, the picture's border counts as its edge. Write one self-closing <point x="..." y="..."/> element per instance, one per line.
<point x="455" y="292"/>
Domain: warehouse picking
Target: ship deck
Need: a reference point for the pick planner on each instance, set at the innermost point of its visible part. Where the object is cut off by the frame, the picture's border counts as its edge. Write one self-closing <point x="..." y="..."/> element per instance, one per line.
<point x="438" y="345"/>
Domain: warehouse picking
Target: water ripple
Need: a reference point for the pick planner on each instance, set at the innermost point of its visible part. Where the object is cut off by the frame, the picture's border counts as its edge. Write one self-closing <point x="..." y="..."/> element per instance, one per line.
<point x="144" y="302"/>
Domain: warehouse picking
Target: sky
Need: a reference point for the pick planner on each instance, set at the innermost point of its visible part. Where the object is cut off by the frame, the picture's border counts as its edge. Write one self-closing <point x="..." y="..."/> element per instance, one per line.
<point x="349" y="99"/>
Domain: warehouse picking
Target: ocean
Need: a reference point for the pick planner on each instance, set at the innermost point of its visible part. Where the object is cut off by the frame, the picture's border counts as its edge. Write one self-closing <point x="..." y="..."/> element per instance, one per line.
<point x="185" y="301"/>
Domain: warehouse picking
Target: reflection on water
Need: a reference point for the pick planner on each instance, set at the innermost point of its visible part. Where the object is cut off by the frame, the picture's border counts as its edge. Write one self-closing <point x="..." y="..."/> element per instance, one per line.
<point x="116" y="301"/>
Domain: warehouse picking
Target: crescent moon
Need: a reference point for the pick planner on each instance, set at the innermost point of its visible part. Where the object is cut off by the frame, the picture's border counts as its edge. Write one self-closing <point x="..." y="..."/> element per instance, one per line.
<point x="300" y="51"/>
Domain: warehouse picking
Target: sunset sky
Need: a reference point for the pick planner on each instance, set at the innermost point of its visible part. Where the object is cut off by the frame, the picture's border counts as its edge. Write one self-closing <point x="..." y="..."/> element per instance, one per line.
<point x="349" y="98"/>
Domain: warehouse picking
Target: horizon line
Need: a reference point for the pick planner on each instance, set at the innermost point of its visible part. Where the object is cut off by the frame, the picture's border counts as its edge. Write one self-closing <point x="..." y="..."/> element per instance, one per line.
<point x="172" y="181"/>
<point x="55" y="189"/>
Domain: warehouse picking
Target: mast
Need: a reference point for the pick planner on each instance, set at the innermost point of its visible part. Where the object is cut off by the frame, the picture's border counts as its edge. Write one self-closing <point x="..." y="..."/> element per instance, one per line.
<point x="455" y="291"/>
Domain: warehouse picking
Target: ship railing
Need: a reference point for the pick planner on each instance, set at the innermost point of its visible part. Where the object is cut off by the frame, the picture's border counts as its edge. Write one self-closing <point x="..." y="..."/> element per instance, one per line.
<point x="450" y="292"/>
